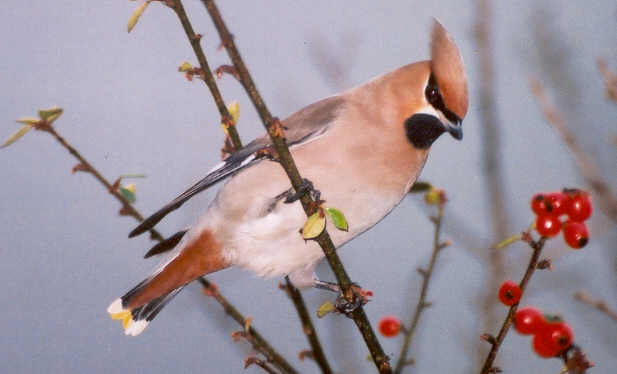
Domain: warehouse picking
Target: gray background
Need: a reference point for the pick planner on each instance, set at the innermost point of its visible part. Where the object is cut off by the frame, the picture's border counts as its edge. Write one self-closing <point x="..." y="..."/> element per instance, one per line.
<point x="64" y="250"/>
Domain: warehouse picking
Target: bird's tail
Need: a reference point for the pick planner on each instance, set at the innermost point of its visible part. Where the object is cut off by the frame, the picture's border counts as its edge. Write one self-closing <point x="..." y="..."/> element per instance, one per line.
<point x="135" y="320"/>
<point x="195" y="257"/>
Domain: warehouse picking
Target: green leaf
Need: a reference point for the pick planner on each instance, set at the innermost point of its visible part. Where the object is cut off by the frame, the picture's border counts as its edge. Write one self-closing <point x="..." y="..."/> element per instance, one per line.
<point x="506" y="242"/>
<point x="338" y="218"/>
<point x="314" y="225"/>
<point x="128" y="193"/>
<point x="325" y="308"/>
<point x="420" y="186"/>
<point x="186" y="66"/>
<point x="135" y="16"/>
<point x="51" y="114"/>
<point x="13" y="138"/>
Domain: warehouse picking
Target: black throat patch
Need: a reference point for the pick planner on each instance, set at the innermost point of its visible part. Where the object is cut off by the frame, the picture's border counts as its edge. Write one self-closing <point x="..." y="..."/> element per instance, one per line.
<point x="423" y="129"/>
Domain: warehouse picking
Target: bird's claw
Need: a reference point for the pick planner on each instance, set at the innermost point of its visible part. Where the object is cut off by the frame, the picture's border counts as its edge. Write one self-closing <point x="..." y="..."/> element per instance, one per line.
<point x="306" y="187"/>
<point x="361" y="297"/>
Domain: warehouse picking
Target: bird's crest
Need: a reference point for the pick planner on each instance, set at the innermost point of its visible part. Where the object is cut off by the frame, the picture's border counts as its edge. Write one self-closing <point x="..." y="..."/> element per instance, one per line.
<point x="449" y="71"/>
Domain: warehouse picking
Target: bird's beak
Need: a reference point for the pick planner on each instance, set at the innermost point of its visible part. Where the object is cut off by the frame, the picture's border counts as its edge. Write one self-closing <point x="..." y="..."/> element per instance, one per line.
<point x="455" y="129"/>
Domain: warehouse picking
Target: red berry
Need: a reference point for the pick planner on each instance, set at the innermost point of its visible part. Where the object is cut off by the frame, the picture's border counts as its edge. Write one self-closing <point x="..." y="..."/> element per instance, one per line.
<point x="557" y="203"/>
<point x="529" y="320"/>
<point x="389" y="326"/>
<point x="576" y="234"/>
<point x="538" y="204"/>
<point x="548" y="225"/>
<point x="580" y="206"/>
<point x="509" y="293"/>
<point x="553" y="339"/>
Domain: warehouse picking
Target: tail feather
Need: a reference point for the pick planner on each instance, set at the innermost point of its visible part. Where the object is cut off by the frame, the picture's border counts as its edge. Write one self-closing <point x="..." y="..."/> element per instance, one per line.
<point x="195" y="257"/>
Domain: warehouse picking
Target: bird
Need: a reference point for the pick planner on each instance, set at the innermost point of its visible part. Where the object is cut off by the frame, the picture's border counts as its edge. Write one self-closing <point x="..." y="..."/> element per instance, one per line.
<point x="361" y="149"/>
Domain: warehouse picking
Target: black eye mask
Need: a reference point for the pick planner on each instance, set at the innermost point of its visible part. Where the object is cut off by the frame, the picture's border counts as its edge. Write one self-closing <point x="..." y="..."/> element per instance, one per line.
<point x="423" y="129"/>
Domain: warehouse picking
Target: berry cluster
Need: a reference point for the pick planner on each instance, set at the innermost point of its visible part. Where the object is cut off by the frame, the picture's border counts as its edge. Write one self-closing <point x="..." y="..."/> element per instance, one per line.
<point x="389" y="326"/>
<point x="551" y="335"/>
<point x="574" y="204"/>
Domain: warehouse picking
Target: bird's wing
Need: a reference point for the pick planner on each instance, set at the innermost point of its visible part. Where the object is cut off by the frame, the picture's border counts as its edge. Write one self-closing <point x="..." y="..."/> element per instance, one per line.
<point x="300" y="128"/>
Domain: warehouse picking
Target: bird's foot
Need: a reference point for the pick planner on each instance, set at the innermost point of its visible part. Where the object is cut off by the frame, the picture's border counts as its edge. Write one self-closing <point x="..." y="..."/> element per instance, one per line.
<point x="306" y="187"/>
<point x="361" y="296"/>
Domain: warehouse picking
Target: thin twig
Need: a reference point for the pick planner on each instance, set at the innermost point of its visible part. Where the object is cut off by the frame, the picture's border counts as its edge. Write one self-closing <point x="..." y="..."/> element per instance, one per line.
<point x="493" y="170"/>
<point x="274" y="129"/>
<point x="237" y="144"/>
<point x="586" y="164"/>
<point x="260" y="343"/>
<point x="86" y="166"/>
<point x="610" y="80"/>
<point x="422" y="304"/>
<point x="257" y="341"/>
<point x="496" y="343"/>
<point x="262" y="364"/>
<point x="307" y="327"/>
<point x="596" y="303"/>
<point x="207" y="74"/>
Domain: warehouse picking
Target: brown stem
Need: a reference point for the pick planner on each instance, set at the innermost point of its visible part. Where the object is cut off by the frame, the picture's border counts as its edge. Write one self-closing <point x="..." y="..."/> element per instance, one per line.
<point x="257" y="341"/>
<point x="610" y="79"/>
<point x="493" y="174"/>
<point x="264" y="365"/>
<point x="260" y="343"/>
<point x="126" y="205"/>
<point x="586" y="164"/>
<point x="307" y="327"/>
<point x="207" y="73"/>
<point x="598" y="304"/>
<point x="422" y="304"/>
<point x="537" y="249"/>
<point x="273" y="127"/>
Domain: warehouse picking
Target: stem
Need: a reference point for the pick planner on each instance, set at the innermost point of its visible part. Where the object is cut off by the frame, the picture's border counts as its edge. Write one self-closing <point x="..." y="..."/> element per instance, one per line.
<point x="257" y="341"/>
<point x="273" y="126"/>
<point x="130" y="210"/>
<point x="207" y="74"/>
<point x="537" y="249"/>
<point x="598" y="304"/>
<point x="491" y="149"/>
<point x="402" y="359"/>
<point x="307" y="327"/>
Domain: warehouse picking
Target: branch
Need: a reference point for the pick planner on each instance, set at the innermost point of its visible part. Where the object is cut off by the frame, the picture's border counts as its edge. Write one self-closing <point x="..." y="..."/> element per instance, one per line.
<point x="86" y="166"/>
<point x="491" y="148"/>
<point x="496" y="342"/>
<point x="600" y="305"/>
<point x="257" y="341"/>
<point x="237" y="144"/>
<point x="610" y="80"/>
<point x="586" y="165"/>
<point x="255" y="361"/>
<point x="422" y="304"/>
<point x="195" y="39"/>
<point x="307" y="326"/>
<point x="274" y="129"/>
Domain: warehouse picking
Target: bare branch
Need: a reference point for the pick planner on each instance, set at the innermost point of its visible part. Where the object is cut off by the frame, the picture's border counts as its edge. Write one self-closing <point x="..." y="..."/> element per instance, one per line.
<point x="273" y="127"/>
<point x="600" y="305"/>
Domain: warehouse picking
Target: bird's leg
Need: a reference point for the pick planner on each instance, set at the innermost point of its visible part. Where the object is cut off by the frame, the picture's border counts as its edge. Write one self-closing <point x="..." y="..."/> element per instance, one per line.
<point x="342" y="304"/>
<point x="306" y="187"/>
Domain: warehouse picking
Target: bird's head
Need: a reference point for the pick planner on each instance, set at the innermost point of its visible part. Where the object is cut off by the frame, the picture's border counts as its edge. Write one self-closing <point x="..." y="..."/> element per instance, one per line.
<point x="444" y="98"/>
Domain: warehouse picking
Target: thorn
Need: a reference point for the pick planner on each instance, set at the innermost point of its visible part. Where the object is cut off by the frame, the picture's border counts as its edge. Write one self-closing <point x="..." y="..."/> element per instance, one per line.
<point x="306" y="354"/>
<point x="444" y="244"/>
<point x="226" y="69"/>
<point x="426" y="304"/>
<point x="238" y="335"/>
<point x="210" y="290"/>
<point x="197" y="37"/>
<point x="488" y="338"/>
<point x="495" y="369"/>
<point x="422" y="272"/>
<point x="545" y="263"/>
<point x="80" y="167"/>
